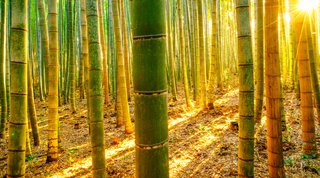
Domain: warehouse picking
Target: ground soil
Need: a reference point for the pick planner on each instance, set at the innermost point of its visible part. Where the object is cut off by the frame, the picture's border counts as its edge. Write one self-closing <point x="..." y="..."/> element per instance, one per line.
<point x="202" y="143"/>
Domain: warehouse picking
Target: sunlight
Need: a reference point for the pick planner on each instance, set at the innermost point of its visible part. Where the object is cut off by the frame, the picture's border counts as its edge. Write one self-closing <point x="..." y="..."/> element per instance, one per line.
<point x="86" y="163"/>
<point x="308" y="5"/>
<point x="287" y="17"/>
<point x="186" y="116"/>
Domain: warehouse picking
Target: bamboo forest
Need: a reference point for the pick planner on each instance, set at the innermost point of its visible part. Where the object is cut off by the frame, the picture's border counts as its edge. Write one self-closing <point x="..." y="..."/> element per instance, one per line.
<point x="160" y="88"/>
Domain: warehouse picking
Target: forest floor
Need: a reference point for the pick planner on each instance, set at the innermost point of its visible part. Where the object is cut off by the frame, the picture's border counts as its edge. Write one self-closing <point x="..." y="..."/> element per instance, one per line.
<point x="201" y="143"/>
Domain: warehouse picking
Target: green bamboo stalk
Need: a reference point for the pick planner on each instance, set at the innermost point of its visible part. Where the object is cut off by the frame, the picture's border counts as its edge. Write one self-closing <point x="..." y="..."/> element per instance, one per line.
<point x="104" y="55"/>
<point x="182" y="56"/>
<point x="259" y="77"/>
<point x="95" y="91"/>
<point x="44" y="37"/>
<point x="313" y="54"/>
<point x="84" y="50"/>
<point x="31" y="108"/>
<point x="150" y="87"/>
<point x="72" y="59"/>
<point x="19" y="91"/>
<point x="3" y="94"/>
<point x="171" y="55"/>
<point x="28" y="146"/>
<point x="246" y="91"/>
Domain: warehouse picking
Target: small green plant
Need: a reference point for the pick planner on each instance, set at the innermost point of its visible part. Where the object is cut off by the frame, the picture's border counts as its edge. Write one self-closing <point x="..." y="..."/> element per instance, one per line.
<point x="306" y="156"/>
<point x="289" y="162"/>
<point x="72" y="150"/>
<point x="29" y="158"/>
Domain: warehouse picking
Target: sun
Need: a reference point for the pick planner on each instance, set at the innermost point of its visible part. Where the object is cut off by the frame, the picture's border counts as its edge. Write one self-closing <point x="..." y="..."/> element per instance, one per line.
<point x="308" y="5"/>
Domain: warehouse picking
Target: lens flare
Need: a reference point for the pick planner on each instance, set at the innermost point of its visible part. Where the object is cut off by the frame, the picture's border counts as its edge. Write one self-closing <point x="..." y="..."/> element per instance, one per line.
<point x="308" y="5"/>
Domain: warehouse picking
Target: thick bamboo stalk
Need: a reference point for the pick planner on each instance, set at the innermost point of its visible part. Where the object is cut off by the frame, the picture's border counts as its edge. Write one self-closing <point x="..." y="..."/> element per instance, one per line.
<point x="19" y="90"/>
<point x="246" y="91"/>
<point x="307" y="119"/>
<point x="150" y="87"/>
<point x="273" y="87"/>
<point x="53" y="64"/>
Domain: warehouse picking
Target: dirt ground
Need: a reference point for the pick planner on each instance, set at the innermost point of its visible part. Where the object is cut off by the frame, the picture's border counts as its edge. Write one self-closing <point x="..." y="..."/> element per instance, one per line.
<point x="201" y="143"/>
